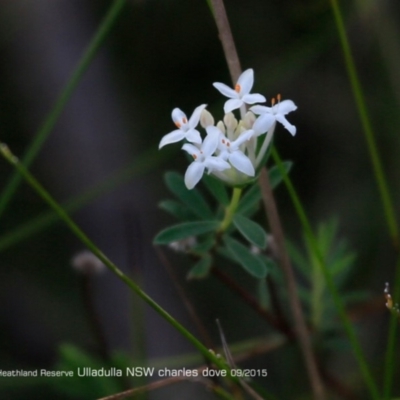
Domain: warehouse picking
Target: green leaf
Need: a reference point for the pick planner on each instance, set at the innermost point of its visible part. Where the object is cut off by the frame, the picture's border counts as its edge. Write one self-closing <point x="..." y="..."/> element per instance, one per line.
<point x="178" y="210"/>
<point x="204" y="245"/>
<point x="251" y="263"/>
<point x="263" y="296"/>
<point x="184" y="230"/>
<point x="251" y="231"/>
<point x="191" y="198"/>
<point x="275" y="176"/>
<point x="249" y="200"/>
<point x="269" y="263"/>
<point x="201" y="268"/>
<point x="70" y="359"/>
<point x="216" y="188"/>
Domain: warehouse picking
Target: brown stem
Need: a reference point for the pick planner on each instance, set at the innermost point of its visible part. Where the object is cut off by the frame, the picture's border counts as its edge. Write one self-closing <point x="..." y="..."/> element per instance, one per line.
<point x="278" y="324"/>
<point x="93" y="318"/>
<point x="232" y="59"/>
<point x="294" y="301"/>
<point x="225" y="35"/>
<point x="186" y="302"/>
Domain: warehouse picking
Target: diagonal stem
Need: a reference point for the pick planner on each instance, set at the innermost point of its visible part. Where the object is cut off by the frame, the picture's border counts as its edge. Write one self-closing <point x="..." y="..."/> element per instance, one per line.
<point x="6" y="153"/>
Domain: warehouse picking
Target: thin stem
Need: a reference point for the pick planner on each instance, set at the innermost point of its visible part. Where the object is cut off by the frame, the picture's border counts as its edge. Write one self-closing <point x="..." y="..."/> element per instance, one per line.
<point x="6" y="153"/>
<point x="185" y="300"/>
<point x="367" y="127"/>
<point x="379" y="176"/>
<point x="278" y="324"/>
<point x="264" y="147"/>
<point x="141" y="165"/>
<point x="391" y="342"/>
<point x="225" y="35"/>
<point x="294" y="300"/>
<point x="230" y="210"/>
<point x="328" y="278"/>
<point x="93" y="317"/>
<point x="49" y="123"/>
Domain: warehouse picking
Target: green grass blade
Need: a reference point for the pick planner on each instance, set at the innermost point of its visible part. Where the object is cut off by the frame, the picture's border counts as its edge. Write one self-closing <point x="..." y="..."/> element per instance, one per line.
<point x="367" y="127"/>
<point x="379" y="176"/>
<point x="63" y="99"/>
<point x="5" y="152"/>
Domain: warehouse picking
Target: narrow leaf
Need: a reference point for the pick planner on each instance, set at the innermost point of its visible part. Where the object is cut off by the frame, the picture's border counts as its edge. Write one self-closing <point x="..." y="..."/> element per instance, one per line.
<point x="252" y="264"/>
<point x="185" y="230"/>
<point x="251" y="231"/>
<point x="263" y="296"/>
<point x="216" y="188"/>
<point x="250" y="199"/>
<point x="249" y="203"/>
<point x="275" y="176"/>
<point x="201" y="268"/>
<point x="191" y="198"/>
<point x="178" y="210"/>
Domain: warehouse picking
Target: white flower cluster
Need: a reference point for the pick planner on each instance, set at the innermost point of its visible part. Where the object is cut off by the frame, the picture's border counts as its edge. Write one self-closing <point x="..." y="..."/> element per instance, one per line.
<point x="229" y="150"/>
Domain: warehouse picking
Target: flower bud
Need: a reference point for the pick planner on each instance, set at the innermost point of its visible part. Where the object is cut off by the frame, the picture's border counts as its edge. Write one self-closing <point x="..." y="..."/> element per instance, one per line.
<point x="87" y="263"/>
<point x="206" y="119"/>
<point x="221" y="127"/>
<point x="230" y="122"/>
<point x="249" y="120"/>
<point x="184" y="245"/>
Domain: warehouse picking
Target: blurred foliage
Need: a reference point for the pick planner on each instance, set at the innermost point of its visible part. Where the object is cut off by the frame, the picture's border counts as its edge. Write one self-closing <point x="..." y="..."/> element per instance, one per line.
<point x="163" y="55"/>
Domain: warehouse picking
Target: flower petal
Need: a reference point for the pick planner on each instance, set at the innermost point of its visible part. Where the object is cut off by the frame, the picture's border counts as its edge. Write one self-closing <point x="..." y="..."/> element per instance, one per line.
<point x="191" y="149"/>
<point x="285" y="107"/>
<point x="246" y="81"/>
<point x="216" y="164"/>
<point x="210" y="143"/>
<point x="263" y="123"/>
<point x="232" y="104"/>
<point x="253" y="98"/>
<point x="193" y="174"/>
<point x="226" y="90"/>
<point x="261" y="109"/>
<point x="195" y="118"/>
<point x="244" y="137"/>
<point x="242" y="163"/>
<point x="193" y="135"/>
<point x="172" y="137"/>
<point x="179" y="117"/>
<point x="213" y="130"/>
<point x="291" y="128"/>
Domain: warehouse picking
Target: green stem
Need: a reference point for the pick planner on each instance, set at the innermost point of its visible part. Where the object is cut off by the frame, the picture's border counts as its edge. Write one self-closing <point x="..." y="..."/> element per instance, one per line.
<point x="381" y="181"/>
<point x="61" y="102"/>
<point x="143" y="163"/>
<point x="391" y="342"/>
<point x="94" y="249"/>
<point x="328" y="278"/>
<point x="230" y="210"/>
<point x="367" y="127"/>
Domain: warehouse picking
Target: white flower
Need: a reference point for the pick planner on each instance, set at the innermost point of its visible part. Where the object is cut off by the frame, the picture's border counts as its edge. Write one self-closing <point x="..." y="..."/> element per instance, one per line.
<point x="186" y="128"/>
<point x="203" y="158"/>
<point x="278" y="111"/>
<point x="230" y="150"/>
<point x="241" y="94"/>
<point x="262" y="124"/>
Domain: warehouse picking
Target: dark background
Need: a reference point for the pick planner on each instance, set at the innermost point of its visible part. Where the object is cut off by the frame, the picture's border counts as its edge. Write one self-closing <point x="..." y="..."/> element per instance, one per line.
<point x="158" y="56"/>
